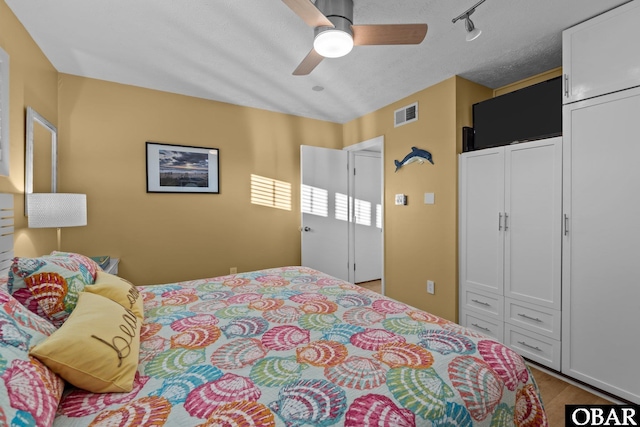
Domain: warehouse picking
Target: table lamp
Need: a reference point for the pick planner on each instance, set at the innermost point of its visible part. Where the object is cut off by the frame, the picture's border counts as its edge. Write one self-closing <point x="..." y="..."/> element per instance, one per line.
<point x="56" y="210"/>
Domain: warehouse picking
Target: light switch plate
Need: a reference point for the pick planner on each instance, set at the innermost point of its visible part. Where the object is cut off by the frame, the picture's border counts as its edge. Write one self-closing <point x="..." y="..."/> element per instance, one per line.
<point x="429" y="198"/>
<point x="401" y="199"/>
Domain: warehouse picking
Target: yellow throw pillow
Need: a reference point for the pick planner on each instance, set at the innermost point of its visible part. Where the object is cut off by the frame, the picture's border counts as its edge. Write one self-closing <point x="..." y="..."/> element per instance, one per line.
<point x="119" y="290"/>
<point x="97" y="348"/>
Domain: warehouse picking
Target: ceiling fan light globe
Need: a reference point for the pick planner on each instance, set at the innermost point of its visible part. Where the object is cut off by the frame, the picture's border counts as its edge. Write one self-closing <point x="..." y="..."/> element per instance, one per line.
<point x="333" y="43"/>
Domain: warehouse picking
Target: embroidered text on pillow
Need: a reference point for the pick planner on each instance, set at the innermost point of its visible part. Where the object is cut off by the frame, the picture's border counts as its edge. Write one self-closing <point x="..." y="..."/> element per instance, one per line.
<point x="122" y="344"/>
<point x="133" y="296"/>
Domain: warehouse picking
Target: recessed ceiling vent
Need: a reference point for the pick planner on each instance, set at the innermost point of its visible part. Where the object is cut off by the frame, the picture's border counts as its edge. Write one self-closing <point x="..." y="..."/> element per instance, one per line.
<point x="406" y="115"/>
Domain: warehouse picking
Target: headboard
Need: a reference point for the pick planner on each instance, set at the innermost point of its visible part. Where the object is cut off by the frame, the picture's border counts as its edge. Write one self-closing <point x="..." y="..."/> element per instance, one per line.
<point x="6" y="233"/>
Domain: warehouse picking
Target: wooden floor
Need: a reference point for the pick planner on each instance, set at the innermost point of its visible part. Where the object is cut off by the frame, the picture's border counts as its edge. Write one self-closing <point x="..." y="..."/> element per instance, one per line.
<point x="374" y="285"/>
<point x="555" y="392"/>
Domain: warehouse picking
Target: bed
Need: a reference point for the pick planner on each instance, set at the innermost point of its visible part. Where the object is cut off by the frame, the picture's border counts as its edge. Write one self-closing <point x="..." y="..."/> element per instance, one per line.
<point x="286" y="346"/>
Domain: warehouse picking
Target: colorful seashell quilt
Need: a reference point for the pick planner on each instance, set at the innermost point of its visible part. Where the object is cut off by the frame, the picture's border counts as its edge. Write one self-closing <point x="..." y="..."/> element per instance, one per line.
<point x="295" y="347"/>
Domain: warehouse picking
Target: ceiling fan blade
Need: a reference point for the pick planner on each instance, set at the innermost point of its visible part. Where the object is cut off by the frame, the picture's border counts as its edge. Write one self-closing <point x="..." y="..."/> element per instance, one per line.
<point x="388" y="34"/>
<point x="309" y="62"/>
<point x="309" y="13"/>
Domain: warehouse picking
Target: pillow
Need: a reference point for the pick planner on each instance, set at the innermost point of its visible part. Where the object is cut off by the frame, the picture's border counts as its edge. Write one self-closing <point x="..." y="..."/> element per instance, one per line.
<point x="49" y="285"/>
<point x="97" y="348"/>
<point x="119" y="290"/>
<point x="3" y="283"/>
<point x="29" y="391"/>
<point x="90" y="264"/>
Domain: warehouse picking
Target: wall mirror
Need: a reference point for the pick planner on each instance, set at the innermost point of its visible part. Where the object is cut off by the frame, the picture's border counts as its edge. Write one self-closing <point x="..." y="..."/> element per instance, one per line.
<point x="40" y="156"/>
<point x="4" y="113"/>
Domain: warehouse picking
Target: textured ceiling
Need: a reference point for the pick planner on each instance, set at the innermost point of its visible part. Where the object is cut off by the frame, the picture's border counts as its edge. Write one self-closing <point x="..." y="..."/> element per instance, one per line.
<point x="244" y="51"/>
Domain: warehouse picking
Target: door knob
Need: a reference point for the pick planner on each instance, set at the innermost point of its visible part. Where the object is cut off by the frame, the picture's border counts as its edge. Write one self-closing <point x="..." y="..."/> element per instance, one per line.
<point x="306" y="229"/>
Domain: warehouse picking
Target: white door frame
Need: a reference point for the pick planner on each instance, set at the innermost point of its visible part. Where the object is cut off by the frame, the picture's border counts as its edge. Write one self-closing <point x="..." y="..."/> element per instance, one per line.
<point x="373" y="144"/>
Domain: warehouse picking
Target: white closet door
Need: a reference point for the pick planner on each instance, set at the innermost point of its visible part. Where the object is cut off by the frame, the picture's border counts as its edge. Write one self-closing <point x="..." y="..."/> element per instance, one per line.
<point x="601" y="287"/>
<point x="533" y="238"/>
<point x="481" y="220"/>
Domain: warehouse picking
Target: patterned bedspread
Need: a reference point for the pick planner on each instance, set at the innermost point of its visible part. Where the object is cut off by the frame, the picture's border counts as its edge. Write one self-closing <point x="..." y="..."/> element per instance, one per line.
<point x="295" y="347"/>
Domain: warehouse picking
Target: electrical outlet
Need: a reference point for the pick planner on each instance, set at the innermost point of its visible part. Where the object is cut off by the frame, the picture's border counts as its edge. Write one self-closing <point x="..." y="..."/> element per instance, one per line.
<point x="233" y="270"/>
<point x="431" y="287"/>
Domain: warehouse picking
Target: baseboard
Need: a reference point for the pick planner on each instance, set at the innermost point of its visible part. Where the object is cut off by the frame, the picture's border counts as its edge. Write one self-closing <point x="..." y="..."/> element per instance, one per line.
<point x="576" y="383"/>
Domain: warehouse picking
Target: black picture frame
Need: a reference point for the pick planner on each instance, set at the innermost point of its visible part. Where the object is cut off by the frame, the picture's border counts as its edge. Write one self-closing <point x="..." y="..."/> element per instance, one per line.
<point x="173" y="168"/>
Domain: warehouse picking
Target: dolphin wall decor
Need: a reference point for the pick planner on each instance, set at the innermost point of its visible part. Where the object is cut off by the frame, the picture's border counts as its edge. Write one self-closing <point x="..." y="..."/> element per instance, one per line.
<point x="416" y="155"/>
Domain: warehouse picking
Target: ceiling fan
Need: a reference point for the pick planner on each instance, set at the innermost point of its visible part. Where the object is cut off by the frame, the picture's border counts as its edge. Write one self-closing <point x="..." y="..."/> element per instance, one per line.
<point x="335" y="34"/>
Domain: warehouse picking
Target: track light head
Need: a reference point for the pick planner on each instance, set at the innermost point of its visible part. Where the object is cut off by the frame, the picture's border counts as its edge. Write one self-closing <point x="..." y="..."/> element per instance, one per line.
<point x="472" y="31"/>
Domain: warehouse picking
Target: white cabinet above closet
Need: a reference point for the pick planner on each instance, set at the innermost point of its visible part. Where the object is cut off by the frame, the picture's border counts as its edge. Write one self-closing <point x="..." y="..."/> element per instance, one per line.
<point x="600" y="55"/>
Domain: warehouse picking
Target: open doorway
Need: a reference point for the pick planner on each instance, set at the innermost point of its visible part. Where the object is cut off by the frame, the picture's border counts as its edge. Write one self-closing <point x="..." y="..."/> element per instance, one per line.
<point x="342" y="211"/>
<point x="366" y="234"/>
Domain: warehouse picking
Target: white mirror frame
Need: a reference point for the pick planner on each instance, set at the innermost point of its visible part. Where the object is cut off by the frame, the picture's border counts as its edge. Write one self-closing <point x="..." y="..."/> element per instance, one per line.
<point x="4" y="113"/>
<point x="34" y="117"/>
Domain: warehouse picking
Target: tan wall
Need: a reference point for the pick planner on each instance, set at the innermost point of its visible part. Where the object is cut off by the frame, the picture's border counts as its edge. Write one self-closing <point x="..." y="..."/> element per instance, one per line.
<point x="538" y="78"/>
<point x="467" y="94"/>
<point x="33" y="81"/>
<point x="170" y="237"/>
<point x="421" y="240"/>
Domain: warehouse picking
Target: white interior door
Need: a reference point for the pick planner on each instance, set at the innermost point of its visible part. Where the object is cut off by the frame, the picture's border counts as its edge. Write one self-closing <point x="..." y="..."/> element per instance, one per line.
<point x="367" y="217"/>
<point x="325" y="210"/>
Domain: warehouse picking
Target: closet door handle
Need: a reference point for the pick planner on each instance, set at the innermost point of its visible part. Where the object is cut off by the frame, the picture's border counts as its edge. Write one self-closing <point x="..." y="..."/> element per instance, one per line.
<point x="566" y="225"/>
<point x="499" y="221"/>
<point x="566" y="85"/>
<point x="506" y="221"/>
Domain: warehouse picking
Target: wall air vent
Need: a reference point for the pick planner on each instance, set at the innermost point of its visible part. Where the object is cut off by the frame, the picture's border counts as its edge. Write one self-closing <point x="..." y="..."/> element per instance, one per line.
<point x="406" y="115"/>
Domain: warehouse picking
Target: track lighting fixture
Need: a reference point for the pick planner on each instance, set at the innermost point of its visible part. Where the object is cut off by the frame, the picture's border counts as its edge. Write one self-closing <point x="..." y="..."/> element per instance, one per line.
<point x="472" y="31"/>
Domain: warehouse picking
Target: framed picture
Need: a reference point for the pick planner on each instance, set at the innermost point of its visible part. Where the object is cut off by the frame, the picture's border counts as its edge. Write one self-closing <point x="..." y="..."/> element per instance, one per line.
<point x="182" y="169"/>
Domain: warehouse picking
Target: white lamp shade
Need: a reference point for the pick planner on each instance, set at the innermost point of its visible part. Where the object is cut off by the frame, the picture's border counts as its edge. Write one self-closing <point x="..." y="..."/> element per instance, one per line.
<point x="333" y="43"/>
<point x="54" y="210"/>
